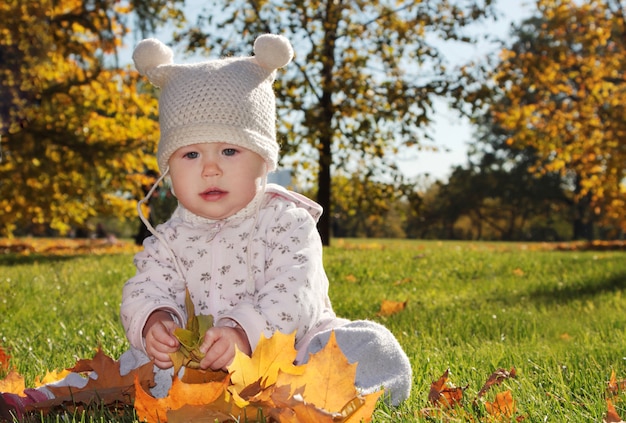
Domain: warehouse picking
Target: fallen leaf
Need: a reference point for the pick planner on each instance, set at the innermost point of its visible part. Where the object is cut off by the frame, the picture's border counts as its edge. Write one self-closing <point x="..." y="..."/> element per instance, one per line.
<point x="267" y="385"/>
<point x="180" y="394"/>
<point x="443" y="394"/>
<point x="496" y="378"/>
<point x="51" y="377"/>
<point x="108" y="388"/>
<point x="614" y="386"/>
<point x="4" y="360"/>
<point x="13" y="383"/>
<point x="268" y="358"/>
<point x="351" y="278"/>
<point x="387" y="308"/>
<point x="611" y="415"/>
<point x="327" y="380"/>
<point x="502" y="407"/>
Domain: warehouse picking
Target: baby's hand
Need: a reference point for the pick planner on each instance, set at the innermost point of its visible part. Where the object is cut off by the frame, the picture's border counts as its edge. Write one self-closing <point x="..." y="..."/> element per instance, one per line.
<point x="159" y="339"/>
<point x="219" y="347"/>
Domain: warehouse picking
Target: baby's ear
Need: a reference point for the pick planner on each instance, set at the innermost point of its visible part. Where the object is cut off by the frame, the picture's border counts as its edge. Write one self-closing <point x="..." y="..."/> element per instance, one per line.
<point x="272" y="51"/>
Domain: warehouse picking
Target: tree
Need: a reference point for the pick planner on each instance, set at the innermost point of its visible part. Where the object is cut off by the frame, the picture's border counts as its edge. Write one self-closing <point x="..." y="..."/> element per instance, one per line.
<point x="75" y="134"/>
<point x="560" y="90"/>
<point x="364" y="77"/>
<point x="363" y="207"/>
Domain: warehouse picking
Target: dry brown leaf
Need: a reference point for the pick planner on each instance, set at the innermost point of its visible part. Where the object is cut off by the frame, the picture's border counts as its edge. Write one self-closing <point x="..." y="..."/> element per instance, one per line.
<point x="442" y="394"/>
<point x="108" y="388"/>
<point x="496" y="378"/>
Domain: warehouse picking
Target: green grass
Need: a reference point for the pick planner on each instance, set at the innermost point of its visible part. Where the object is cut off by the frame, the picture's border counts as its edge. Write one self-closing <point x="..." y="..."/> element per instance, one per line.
<point x="557" y="317"/>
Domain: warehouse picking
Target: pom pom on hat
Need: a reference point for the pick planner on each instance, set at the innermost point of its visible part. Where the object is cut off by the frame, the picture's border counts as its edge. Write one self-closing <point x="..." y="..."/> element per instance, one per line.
<point x="151" y="53"/>
<point x="272" y="51"/>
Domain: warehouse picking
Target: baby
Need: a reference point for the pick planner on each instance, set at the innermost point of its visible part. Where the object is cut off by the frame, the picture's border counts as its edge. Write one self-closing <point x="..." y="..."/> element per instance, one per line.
<point x="247" y="251"/>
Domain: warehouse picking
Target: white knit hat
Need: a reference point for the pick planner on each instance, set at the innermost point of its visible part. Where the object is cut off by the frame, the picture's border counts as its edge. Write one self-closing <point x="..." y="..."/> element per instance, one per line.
<point x="227" y="100"/>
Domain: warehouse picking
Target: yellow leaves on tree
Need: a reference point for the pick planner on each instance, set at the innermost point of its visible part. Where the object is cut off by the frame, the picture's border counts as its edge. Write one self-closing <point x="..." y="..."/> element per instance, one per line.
<point x="563" y="96"/>
<point x="75" y="135"/>
<point x="268" y="385"/>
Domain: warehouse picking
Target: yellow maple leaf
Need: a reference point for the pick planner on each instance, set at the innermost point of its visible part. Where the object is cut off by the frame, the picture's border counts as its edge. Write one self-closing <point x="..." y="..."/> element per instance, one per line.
<point x="51" y="377"/>
<point x="333" y="375"/>
<point x="266" y="361"/>
<point x="13" y="383"/>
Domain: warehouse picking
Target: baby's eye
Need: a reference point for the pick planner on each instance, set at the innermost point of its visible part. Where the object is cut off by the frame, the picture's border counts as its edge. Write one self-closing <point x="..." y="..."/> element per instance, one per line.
<point x="191" y="155"/>
<point x="229" y="151"/>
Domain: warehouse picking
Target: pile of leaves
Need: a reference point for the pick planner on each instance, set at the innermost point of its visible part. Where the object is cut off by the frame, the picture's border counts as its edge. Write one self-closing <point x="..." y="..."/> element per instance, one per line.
<point x="265" y="386"/>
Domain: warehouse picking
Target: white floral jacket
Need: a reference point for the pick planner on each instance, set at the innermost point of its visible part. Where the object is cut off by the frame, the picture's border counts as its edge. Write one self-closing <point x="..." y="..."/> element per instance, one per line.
<point x="261" y="269"/>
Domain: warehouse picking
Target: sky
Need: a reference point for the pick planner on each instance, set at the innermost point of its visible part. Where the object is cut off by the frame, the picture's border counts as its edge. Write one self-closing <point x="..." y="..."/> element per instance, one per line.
<point x="450" y="133"/>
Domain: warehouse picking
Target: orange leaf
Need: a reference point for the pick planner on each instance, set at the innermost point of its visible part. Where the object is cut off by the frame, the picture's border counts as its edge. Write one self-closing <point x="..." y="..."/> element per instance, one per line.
<point x="13" y="383"/>
<point x="387" y="308"/>
<point x="181" y="394"/>
<point x="4" y="360"/>
<point x="611" y="415"/>
<point x="502" y="407"/>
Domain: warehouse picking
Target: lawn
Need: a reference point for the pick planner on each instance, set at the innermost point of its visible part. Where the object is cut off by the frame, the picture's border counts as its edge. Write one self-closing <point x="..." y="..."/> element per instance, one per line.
<point x="557" y="317"/>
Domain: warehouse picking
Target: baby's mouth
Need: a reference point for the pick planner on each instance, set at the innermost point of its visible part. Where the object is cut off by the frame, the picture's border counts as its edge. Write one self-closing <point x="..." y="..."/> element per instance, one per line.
<point x="213" y="194"/>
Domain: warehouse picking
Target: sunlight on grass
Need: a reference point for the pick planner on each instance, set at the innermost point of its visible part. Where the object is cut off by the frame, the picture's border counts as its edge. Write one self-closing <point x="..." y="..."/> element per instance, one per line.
<point x="557" y="317"/>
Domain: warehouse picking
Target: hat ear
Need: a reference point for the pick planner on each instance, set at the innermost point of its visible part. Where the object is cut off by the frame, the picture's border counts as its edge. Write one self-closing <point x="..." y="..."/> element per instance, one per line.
<point x="151" y="53"/>
<point x="272" y="51"/>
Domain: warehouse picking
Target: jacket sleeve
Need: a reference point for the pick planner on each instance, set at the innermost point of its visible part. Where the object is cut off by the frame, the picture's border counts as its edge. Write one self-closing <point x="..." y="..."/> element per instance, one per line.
<point x="156" y="286"/>
<point x="291" y="287"/>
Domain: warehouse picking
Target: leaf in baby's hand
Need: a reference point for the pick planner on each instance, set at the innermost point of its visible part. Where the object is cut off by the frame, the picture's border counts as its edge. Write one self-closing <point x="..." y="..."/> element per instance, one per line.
<point x="190" y="338"/>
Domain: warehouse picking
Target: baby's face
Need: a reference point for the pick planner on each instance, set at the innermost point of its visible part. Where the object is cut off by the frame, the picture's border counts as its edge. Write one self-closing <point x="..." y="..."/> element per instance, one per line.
<point x="216" y="180"/>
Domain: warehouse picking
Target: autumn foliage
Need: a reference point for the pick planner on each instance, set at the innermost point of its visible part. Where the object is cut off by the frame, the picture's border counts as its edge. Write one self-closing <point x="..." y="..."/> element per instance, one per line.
<point x="266" y="384"/>
<point x="76" y="135"/>
<point x="562" y="95"/>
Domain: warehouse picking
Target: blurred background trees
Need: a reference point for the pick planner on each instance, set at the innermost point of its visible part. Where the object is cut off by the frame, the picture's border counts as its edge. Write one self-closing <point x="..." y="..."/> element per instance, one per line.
<point x="548" y="162"/>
